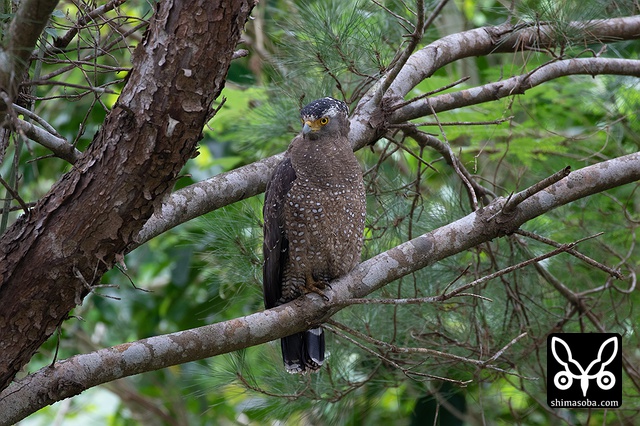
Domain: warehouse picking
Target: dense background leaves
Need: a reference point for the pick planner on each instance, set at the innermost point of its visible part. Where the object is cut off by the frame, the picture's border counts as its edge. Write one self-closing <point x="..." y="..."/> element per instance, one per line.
<point x="208" y="270"/>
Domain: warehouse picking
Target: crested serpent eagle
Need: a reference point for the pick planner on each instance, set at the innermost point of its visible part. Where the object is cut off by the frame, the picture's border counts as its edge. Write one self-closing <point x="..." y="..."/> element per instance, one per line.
<point x="314" y="212"/>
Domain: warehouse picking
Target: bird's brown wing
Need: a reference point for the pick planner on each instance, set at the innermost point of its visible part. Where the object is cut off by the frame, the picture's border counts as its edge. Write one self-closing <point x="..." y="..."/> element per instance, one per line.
<point x="276" y="246"/>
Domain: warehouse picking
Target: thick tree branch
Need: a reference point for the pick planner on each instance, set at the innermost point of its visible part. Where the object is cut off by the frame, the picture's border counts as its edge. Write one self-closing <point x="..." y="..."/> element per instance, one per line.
<point x="59" y="146"/>
<point x="250" y="180"/>
<point x="50" y="258"/>
<point x="370" y="114"/>
<point x="70" y="377"/>
<point x="208" y="195"/>
<point x="368" y="120"/>
<point x="515" y="85"/>
<point x="504" y="38"/>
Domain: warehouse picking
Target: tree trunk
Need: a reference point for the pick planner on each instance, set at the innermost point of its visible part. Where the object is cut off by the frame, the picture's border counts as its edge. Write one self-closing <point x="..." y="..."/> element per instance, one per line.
<point x="50" y="258"/>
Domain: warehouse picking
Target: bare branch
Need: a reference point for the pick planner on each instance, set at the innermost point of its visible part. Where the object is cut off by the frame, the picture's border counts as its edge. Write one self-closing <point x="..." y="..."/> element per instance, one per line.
<point x="15" y="195"/>
<point x="72" y="376"/>
<point x="518" y="198"/>
<point x="392" y="348"/>
<point x="211" y="194"/>
<point x="35" y="117"/>
<point x="25" y="29"/>
<point x="572" y="252"/>
<point x="499" y="39"/>
<point x="62" y="42"/>
<point x="516" y="85"/>
<point x="456" y="164"/>
<point x="59" y="146"/>
<point x="475" y="190"/>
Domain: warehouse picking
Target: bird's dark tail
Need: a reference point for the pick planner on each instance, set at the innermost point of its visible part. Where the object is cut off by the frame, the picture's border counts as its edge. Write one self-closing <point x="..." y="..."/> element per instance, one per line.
<point x="303" y="352"/>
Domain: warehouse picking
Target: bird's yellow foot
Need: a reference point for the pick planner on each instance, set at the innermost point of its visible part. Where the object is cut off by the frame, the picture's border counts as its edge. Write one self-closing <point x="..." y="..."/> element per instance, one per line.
<point x="313" y="285"/>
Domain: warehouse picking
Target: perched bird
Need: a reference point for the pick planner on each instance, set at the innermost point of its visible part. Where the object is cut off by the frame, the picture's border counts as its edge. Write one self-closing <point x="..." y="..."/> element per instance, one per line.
<point x="314" y="212"/>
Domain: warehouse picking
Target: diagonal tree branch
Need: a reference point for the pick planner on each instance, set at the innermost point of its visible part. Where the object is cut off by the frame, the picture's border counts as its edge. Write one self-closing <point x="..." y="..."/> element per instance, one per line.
<point x="208" y="195"/>
<point x="505" y="38"/>
<point x="50" y="258"/>
<point x="59" y="146"/>
<point x="516" y="85"/>
<point x="72" y="376"/>
<point x="370" y="115"/>
<point x="250" y="180"/>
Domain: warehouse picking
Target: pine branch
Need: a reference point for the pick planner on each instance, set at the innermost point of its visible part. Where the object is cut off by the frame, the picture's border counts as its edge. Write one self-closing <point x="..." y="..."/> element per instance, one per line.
<point x="70" y="377"/>
<point x="504" y="38"/>
<point x="516" y="85"/>
<point x="251" y="180"/>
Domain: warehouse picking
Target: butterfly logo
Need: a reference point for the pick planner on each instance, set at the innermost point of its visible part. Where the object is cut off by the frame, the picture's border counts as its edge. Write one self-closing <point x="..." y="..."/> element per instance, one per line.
<point x="564" y="379"/>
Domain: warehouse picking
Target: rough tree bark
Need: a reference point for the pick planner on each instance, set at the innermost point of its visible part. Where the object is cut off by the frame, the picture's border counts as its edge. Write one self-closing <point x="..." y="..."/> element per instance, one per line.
<point x="368" y="119"/>
<point x="50" y="259"/>
<point x="95" y="214"/>
<point x="69" y="377"/>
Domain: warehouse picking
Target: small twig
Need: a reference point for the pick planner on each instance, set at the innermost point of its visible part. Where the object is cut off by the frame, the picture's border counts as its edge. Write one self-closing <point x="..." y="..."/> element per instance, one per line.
<point x="632" y="287"/>
<point x="408" y="301"/>
<point x="518" y="198"/>
<point x="380" y="343"/>
<point x="507" y="346"/>
<point x="403" y="56"/>
<point x="90" y="288"/>
<point x="55" y="354"/>
<point x="575" y="253"/>
<point x="124" y="272"/>
<point x="258" y="389"/>
<point x="461" y="123"/>
<point x="432" y="92"/>
<point x="331" y="74"/>
<point x="15" y="195"/>
<point x="430" y="352"/>
<point x="35" y="117"/>
<point x="14" y="208"/>
<point x="563" y="248"/>
<point x="456" y="162"/>
<point x="434" y="14"/>
<point x="425" y="139"/>
<point x="410" y="151"/>
<point x="455" y="280"/>
<point x="213" y="113"/>
<point x="62" y="42"/>
<point x="392" y="13"/>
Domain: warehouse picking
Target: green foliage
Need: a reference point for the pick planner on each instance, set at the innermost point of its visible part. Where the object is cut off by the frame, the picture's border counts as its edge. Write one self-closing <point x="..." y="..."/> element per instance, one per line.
<point x="332" y="47"/>
<point x="209" y="270"/>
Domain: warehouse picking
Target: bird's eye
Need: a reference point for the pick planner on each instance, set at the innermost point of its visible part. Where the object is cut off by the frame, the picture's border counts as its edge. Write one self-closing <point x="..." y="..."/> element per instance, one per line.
<point x="324" y="120"/>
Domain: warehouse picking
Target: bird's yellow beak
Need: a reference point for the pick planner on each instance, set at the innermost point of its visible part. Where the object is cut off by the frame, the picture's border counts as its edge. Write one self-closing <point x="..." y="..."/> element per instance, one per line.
<point x="311" y="126"/>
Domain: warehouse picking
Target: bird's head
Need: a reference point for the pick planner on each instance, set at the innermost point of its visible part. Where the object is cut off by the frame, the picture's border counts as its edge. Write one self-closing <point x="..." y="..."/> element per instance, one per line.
<point x="324" y="116"/>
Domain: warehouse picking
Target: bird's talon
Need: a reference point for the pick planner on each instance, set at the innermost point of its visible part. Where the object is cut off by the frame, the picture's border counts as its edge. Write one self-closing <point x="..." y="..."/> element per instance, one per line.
<point x="318" y="288"/>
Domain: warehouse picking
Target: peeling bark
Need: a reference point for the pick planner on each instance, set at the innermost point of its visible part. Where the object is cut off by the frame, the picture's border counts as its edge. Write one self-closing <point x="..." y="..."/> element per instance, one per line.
<point x="96" y="213"/>
<point x="70" y="377"/>
<point x="50" y="259"/>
